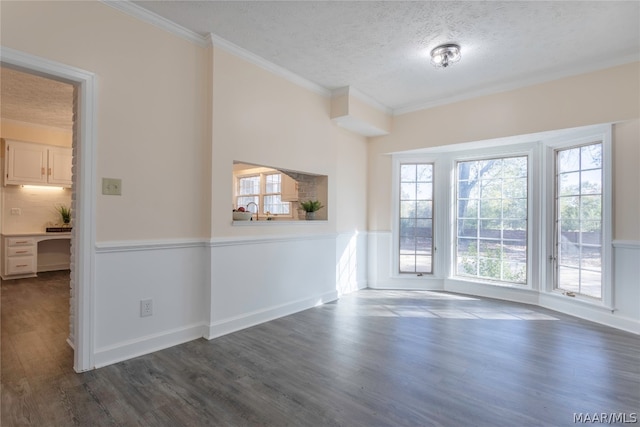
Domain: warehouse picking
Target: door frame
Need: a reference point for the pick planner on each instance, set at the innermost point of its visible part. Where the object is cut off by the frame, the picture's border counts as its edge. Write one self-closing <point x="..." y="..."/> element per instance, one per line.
<point x="84" y="192"/>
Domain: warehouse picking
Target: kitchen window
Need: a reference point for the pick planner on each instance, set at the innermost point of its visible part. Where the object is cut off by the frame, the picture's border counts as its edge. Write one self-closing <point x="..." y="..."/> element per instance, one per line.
<point x="263" y="189"/>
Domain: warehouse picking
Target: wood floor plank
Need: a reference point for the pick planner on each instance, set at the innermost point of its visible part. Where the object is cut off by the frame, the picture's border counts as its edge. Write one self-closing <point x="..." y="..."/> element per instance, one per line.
<point x="374" y="358"/>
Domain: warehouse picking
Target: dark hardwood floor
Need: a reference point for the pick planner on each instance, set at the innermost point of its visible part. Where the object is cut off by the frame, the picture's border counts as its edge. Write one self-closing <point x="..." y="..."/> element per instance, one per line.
<point x="374" y="358"/>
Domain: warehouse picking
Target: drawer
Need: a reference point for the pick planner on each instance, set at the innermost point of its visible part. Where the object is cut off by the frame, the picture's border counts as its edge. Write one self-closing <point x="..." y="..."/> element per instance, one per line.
<point x="20" y="250"/>
<point x="20" y="241"/>
<point x="21" y="265"/>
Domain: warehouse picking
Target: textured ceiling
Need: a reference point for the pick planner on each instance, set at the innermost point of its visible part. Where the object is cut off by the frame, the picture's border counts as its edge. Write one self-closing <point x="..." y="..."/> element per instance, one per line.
<point x="381" y="48"/>
<point x="37" y="100"/>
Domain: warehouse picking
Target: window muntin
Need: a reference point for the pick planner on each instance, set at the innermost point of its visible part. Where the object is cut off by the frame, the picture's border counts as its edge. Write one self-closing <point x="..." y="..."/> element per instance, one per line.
<point x="578" y="219"/>
<point x="492" y="220"/>
<point x="416" y="218"/>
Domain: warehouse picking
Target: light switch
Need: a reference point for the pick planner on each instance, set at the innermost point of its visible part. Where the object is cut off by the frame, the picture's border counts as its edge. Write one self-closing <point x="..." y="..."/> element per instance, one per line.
<point x="112" y="186"/>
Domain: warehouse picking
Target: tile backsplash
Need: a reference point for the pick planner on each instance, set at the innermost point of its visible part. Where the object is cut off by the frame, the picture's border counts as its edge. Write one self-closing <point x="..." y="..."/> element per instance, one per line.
<point x="36" y="207"/>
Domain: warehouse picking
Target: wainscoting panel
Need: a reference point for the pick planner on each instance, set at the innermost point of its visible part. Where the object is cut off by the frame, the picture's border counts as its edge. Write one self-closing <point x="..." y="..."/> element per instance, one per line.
<point x="171" y="273"/>
<point x="259" y="279"/>
<point x="380" y="271"/>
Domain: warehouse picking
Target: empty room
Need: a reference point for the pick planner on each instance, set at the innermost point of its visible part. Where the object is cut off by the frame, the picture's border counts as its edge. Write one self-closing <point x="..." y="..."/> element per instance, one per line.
<point x="320" y="213"/>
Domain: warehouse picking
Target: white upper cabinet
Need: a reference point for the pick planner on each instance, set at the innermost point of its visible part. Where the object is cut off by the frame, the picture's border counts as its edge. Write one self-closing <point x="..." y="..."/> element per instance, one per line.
<point x="289" y="189"/>
<point x="59" y="171"/>
<point x="36" y="164"/>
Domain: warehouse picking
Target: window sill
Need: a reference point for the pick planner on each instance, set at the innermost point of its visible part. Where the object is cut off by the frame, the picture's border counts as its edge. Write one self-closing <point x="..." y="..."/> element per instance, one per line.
<point x="478" y="281"/>
<point x="263" y="223"/>
<point x="579" y="299"/>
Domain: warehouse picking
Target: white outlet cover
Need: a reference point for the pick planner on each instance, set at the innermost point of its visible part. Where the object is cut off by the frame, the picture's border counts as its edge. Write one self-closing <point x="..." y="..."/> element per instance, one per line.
<point x="146" y="307"/>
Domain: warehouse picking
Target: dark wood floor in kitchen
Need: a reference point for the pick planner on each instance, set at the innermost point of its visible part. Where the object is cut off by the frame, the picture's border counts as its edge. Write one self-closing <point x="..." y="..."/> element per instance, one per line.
<point x="374" y="358"/>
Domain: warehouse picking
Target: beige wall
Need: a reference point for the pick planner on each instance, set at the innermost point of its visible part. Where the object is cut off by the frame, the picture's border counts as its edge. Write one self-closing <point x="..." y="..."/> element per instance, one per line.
<point x="262" y="118"/>
<point x="151" y="122"/>
<point x="626" y="180"/>
<point x="600" y="97"/>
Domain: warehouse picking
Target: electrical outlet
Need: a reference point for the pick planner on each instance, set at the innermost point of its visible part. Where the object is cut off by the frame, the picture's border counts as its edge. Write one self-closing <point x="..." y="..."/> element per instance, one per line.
<point x="146" y="307"/>
<point x="16" y="211"/>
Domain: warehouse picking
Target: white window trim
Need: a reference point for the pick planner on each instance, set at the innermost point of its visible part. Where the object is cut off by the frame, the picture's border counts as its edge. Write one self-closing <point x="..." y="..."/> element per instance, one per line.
<point x="516" y="150"/>
<point x="540" y="149"/>
<point x="437" y="264"/>
<point x="600" y="134"/>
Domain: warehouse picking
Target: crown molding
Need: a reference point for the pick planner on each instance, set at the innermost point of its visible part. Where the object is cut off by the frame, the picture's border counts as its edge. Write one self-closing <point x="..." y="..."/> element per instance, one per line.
<point x="254" y="59"/>
<point x="520" y="83"/>
<point x="149" y="17"/>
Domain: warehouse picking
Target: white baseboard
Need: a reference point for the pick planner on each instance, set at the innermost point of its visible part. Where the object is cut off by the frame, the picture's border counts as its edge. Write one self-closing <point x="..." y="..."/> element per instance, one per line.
<point x="227" y="326"/>
<point x="506" y="293"/>
<point x="148" y="344"/>
<point x="409" y="284"/>
<point x="595" y="314"/>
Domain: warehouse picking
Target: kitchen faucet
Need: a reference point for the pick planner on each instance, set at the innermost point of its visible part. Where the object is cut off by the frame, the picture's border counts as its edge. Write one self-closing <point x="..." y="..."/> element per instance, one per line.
<point x="257" y="209"/>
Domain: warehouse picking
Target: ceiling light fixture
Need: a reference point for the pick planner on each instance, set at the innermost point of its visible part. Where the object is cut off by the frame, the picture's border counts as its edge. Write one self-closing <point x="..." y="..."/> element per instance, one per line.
<point x="445" y="54"/>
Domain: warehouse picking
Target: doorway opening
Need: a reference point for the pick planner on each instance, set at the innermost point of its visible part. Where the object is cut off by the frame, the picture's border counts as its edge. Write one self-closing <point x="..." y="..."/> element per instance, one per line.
<point x="83" y="194"/>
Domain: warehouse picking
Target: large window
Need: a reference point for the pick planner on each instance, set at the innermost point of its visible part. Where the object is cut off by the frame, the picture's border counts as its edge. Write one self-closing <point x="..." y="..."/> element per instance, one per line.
<point x="491" y="213"/>
<point x="578" y="219"/>
<point x="416" y="218"/>
<point x="265" y="190"/>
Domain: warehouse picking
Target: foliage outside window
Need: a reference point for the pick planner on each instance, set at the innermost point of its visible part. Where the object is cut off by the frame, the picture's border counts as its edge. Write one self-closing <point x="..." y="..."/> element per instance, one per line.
<point x="264" y="190"/>
<point x="578" y="215"/>
<point x="416" y="218"/>
<point x="491" y="213"/>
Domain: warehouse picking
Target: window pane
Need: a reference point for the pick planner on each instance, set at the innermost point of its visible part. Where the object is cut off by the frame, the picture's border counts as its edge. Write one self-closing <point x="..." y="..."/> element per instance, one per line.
<point x="492" y="219"/>
<point x="408" y="173"/>
<point x="424" y="191"/>
<point x="490" y="208"/>
<point x="408" y="209"/>
<point x="249" y="185"/>
<point x="424" y="173"/>
<point x="424" y="209"/>
<point x="274" y="205"/>
<point x="569" y="160"/>
<point x="416" y="212"/>
<point x="514" y="188"/>
<point x="590" y="207"/>
<point x="591" y="182"/>
<point x="569" y="183"/>
<point x="272" y="184"/>
<point x="245" y="200"/>
<point x="591" y="157"/>
<point x="407" y="191"/>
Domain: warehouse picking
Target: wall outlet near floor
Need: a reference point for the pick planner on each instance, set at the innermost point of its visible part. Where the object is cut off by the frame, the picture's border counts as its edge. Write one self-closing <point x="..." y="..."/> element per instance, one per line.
<point x="146" y="307"/>
<point x="16" y="211"/>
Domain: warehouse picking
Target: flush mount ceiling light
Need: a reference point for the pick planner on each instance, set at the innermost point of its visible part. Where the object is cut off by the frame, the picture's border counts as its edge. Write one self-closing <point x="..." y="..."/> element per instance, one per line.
<point x="445" y="54"/>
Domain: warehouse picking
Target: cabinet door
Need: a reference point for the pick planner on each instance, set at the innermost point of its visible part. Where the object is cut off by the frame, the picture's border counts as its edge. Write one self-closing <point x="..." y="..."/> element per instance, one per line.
<point x="59" y="171"/>
<point x="25" y="163"/>
<point x="289" y="189"/>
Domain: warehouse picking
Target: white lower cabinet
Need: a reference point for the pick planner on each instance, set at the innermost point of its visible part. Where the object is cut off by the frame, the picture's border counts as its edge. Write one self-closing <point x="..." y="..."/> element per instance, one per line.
<point x="19" y="257"/>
